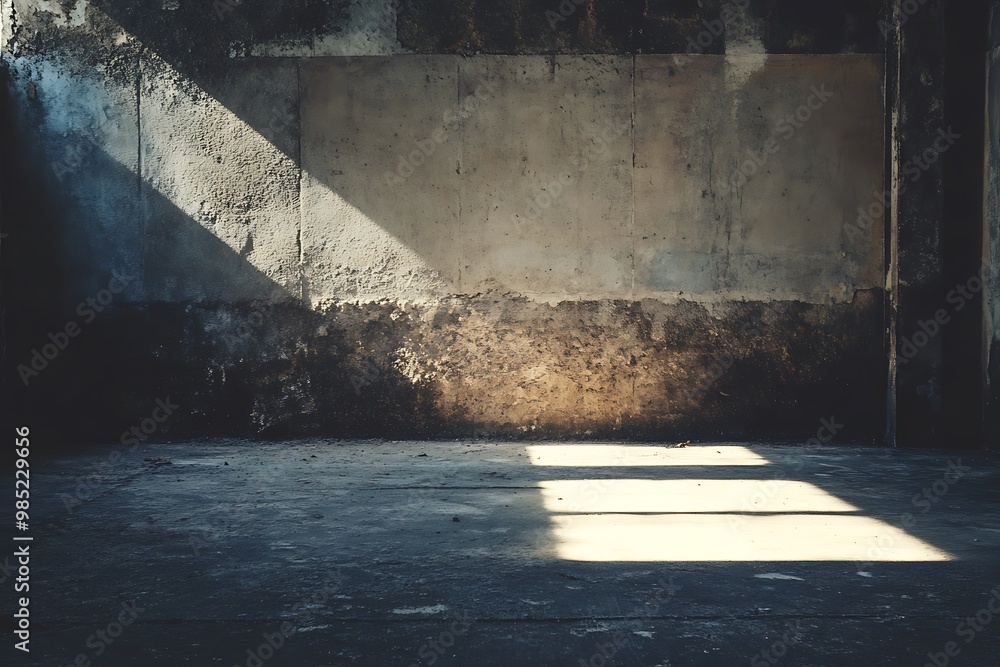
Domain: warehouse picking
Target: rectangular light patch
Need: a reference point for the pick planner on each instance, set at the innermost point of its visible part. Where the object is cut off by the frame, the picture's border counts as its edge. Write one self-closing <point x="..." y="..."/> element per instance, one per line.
<point x="606" y="456"/>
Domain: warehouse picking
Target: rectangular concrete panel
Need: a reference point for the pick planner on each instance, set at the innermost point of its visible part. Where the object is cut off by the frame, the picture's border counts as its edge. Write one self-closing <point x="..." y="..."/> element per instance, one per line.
<point x="681" y="213"/>
<point x="820" y="121"/>
<point x="427" y="175"/>
<point x="81" y="129"/>
<point x="750" y="172"/>
<point x="380" y="189"/>
<point x="221" y="191"/>
<point x="546" y="175"/>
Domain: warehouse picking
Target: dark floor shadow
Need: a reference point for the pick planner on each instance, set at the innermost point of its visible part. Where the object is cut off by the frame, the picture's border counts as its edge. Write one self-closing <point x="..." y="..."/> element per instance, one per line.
<point x="415" y="532"/>
<point x="197" y="324"/>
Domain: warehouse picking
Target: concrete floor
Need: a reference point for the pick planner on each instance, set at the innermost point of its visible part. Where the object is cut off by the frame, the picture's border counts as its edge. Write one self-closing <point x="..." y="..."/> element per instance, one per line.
<point x="484" y="554"/>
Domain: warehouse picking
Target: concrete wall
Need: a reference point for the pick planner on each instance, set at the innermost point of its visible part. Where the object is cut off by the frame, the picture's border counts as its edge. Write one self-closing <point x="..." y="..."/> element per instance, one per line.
<point x="350" y="236"/>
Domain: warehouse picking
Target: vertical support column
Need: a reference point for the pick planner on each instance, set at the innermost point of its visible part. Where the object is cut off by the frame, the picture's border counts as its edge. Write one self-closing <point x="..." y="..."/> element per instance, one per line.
<point x="916" y="86"/>
<point x="962" y="232"/>
<point x="991" y="234"/>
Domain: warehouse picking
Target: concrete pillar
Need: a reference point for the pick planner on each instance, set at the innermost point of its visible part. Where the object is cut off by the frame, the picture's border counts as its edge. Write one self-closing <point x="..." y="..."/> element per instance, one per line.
<point x="935" y="100"/>
<point x="991" y="234"/>
<point x="915" y="85"/>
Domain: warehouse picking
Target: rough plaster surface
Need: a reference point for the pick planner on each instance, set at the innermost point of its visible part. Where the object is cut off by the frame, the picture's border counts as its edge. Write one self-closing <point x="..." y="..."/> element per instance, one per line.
<point x="84" y="131"/>
<point x="365" y="236"/>
<point x="487" y="365"/>
<point x="214" y="178"/>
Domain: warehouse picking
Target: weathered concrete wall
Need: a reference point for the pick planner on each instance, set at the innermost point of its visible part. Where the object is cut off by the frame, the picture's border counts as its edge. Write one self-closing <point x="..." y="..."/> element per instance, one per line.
<point x="381" y="241"/>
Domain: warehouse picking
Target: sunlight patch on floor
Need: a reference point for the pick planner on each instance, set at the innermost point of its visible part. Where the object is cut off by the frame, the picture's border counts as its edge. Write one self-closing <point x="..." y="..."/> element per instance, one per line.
<point x="688" y="496"/>
<point x="703" y="519"/>
<point x="606" y="456"/>
<point x="732" y="538"/>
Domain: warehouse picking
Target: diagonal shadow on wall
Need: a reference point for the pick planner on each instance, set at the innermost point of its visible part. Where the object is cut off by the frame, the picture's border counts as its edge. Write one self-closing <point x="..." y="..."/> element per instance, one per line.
<point x="410" y="225"/>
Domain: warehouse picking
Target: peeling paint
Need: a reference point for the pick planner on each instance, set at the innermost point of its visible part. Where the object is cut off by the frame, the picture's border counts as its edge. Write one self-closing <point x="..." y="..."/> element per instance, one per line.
<point x="369" y="30"/>
<point x="72" y="18"/>
<point x="745" y="54"/>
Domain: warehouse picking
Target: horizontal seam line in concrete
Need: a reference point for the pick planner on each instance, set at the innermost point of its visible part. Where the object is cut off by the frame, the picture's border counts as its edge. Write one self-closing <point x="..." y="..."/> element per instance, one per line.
<point x="529" y="488"/>
<point x="538" y="53"/>
<point x="524" y="619"/>
<point x="695" y="512"/>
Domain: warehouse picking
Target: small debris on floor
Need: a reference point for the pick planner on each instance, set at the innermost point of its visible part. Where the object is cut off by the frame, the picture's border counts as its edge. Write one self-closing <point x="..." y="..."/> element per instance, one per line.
<point x="158" y="461"/>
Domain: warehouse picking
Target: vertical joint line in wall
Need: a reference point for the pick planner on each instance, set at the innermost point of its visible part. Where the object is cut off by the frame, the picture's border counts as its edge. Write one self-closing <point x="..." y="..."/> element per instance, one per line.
<point x="139" y="168"/>
<point x="458" y="142"/>
<point x="893" y="99"/>
<point x="632" y="208"/>
<point x="459" y="398"/>
<point x="633" y="406"/>
<point x="298" y="235"/>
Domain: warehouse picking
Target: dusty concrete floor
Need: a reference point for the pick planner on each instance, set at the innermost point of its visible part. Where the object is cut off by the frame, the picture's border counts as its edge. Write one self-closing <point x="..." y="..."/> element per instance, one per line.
<point x="705" y="555"/>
